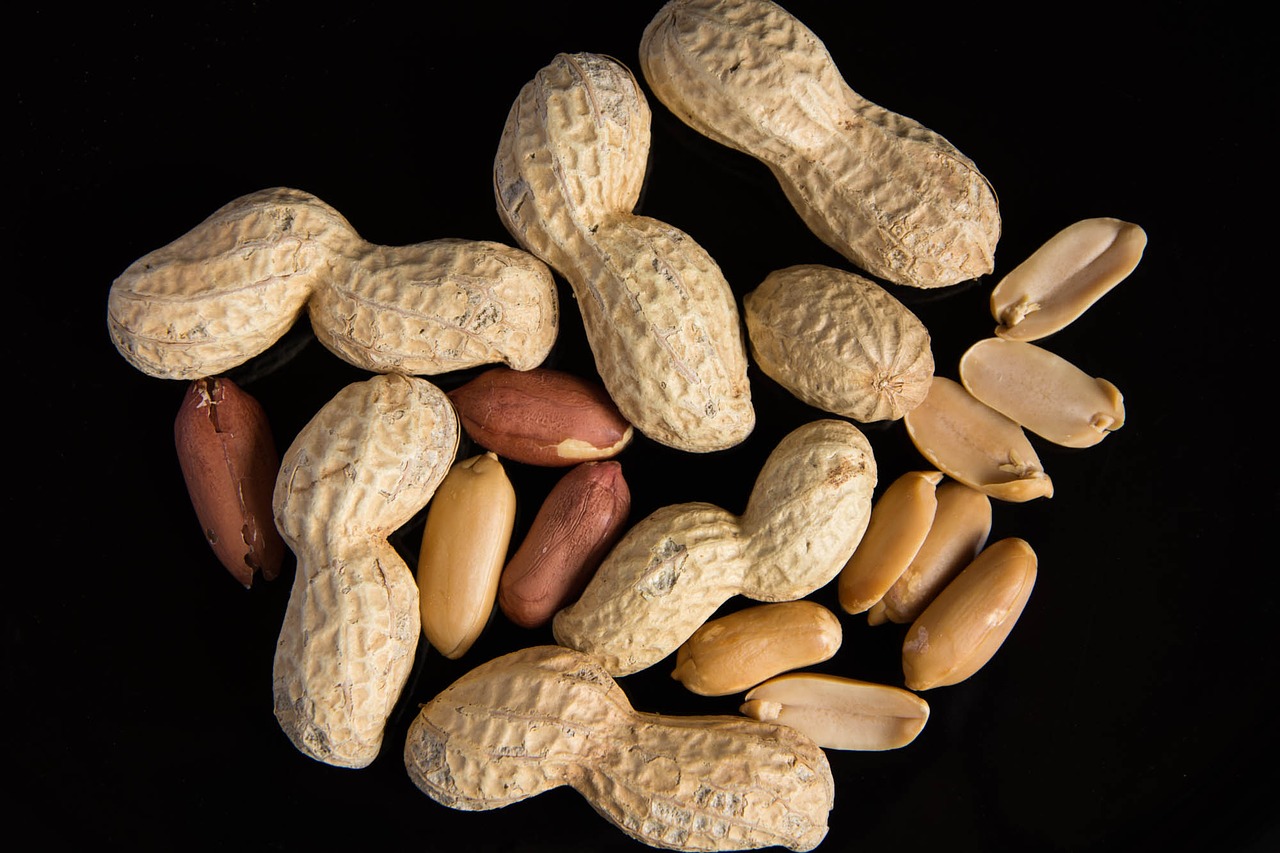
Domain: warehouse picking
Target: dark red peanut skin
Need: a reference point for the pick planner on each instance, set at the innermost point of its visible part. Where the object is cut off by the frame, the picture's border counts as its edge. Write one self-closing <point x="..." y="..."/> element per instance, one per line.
<point x="229" y="461"/>
<point x="581" y="518"/>
<point x="541" y="416"/>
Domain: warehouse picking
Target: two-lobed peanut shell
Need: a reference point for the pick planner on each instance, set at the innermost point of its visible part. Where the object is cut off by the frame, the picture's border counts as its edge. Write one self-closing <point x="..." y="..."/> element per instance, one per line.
<point x="229" y="462"/>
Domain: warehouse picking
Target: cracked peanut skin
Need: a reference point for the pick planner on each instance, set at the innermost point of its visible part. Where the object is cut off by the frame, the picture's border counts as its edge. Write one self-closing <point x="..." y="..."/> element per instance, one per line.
<point x="660" y="318"/>
<point x="892" y="196"/>
<point x="233" y="285"/>
<point x="547" y="716"/>
<point x="360" y="469"/>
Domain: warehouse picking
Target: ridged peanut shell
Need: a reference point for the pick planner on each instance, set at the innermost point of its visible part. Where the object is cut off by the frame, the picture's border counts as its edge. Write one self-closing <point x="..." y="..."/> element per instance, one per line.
<point x="1042" y="391"/>
<point x="840" y="713"/>
<point x="971" y="442"/>
<point x="741" y="649"/>
<point x="1065" y="276"/>
<point x="839" y="342"/>
<point x="961" y="629"/>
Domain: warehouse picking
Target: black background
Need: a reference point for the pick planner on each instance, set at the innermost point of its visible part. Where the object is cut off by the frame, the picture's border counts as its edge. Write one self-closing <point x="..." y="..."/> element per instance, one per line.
<point x="1128" y="710"/>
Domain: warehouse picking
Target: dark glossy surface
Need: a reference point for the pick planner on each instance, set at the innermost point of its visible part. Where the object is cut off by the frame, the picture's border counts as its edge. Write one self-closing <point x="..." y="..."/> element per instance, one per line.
<point x="1127" y="711"/>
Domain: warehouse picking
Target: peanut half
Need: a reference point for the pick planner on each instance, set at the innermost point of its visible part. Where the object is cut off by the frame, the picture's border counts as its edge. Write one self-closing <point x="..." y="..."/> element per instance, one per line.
<point x="968" y="440"/>
<point x="661" y="319"/>
<point x="840" y="713"/>
<point x="360" y="469"/>
<point x="547" y="716"/>
<point x="1065" y="276"/>
<point x="961" y="629"/>
<point x="670" y="572"/>
<point x="959" y="531"/>
<point x="900" y="522"/>
<point x="581" y="518"/>
<point x="1042" y="391"/>
<point x="464" y="546"/>
<point x="743" y="648"/>
<point x="892" y="196"/>
<point x="839" y="342"/>
<point x="232" y="286"/>
<point x="541" y="416"/>
<point x="229" y="462"/>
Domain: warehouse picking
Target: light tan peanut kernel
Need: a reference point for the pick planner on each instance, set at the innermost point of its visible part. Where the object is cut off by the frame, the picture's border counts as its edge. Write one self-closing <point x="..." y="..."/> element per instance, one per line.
<point x="232" y="286"/>
<point x="464" y="547"/>
<point x="1042" y="392"/>
<point x="229" y="462"/>
<point x="547" y="716"/>
<point x="1065" y="276"/>
<point x="968" y="440"/>
<point x="360" y="469"/>
<point x="840" y="713"/>
<point x="892" y="196"/>
<point x="660" y="318"/>
<point x="541" y="416"/>
<point x="741" y="649"/>
<point x="899" y="525"/>
<point x="672" y="570"/>
<point x="582" y="517"/>
<point x="839" y="342"/>
<point x="961" y="525"/>
<point x="971" y="618"/>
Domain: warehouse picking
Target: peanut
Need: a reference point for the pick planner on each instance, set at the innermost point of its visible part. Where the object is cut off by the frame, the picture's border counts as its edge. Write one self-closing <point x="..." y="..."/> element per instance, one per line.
<point x="581" y="518"/>
<point x="840" y="713"/>
<point x="1065" y="276"/>
<point x="229" y="462"/>
<point x="892" y="196"/>
<point x="361" y="468"/>
<point x="232" y="286"/>
<point x="971" y="442"/>
<point x="660" y="318"/>
<point x="547" y="716"/>
<point x="961" y="629"/>
<point x="839" y="342"/>
<point x="464" y="546"/>
<point x="743" y="648"/>
<point x="670" y="572"/>
<point x="541" y="416"/>
<point x="1042" y="392"/>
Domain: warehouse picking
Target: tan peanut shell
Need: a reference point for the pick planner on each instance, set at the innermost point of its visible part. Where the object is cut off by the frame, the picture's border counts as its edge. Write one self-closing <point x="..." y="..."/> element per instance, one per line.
<point x="672" y="570"/>
<point x="743" y="648"/>
<point x="229" y="461"/>
<point x="660" y="318"/>
<point x="892" y="196"/>
<point x="360" y="469"/>
<point x="1042" y="391"/>
<point x="961" y="629"/>
<point x="582" y="517"/>
<point x="971" y="442"/>
<point x="899" y="525"/>
<point x="1065" y="276"/>
<point x="959" y="531"/>
<point x="463" y="549"/>
<point x="541" y="416"/>
<point x="840" y="713"/>
<point x="547" y="716"/>
<point x="232" y="286"/>
<point x="839" y="342"/>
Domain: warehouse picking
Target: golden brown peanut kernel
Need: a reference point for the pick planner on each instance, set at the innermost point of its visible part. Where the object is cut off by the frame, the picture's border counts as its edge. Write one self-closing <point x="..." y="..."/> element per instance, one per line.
<point x="741" y="649"/>
<point x="547" y="716"/>
<point x="840" y="713"/>
<point x="839" y="342"/>
<point x="973" y="443"/>
<point x="1071" y="271"/>
<point x="970" y="619"/>
<point x="1042" y="392"/>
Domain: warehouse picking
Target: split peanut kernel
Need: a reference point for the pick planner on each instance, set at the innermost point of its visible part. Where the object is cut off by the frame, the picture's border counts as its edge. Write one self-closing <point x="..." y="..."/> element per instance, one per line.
<point x="840" y="713"/>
